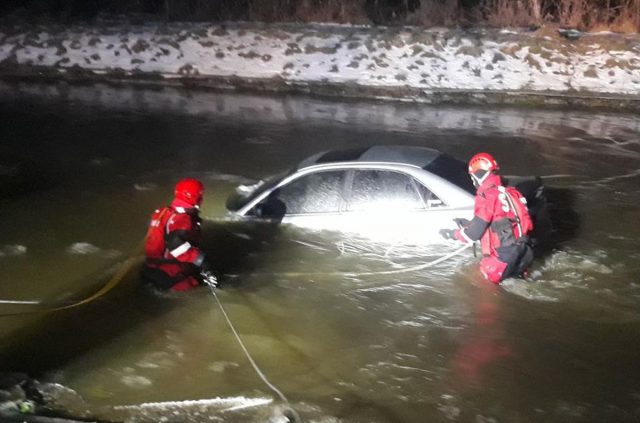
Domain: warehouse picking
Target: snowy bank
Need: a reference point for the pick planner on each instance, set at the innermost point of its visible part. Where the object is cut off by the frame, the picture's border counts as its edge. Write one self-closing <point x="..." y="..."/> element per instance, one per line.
<point x="431" y="65"/>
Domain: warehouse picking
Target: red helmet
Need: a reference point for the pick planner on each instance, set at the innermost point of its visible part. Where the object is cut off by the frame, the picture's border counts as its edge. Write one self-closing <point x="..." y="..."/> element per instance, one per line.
<point x="190" y="190"/>
<point x="482" y="165"/>
<point x="483" y="161"/>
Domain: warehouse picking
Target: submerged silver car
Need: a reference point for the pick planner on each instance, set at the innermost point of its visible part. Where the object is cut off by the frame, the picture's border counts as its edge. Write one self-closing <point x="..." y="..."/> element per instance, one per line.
<point x="386" y="193"/>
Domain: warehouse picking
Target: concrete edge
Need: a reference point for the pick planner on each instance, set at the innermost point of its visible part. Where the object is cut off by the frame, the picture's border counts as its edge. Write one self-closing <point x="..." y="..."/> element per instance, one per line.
<point x="277" y="85"/>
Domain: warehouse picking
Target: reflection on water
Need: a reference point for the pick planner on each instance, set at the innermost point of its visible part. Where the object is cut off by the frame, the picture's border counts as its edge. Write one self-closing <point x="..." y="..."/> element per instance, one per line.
<point x="348" y="329"/>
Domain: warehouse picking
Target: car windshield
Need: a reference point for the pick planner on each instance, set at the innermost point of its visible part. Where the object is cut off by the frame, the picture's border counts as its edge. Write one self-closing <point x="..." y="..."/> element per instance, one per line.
<point x="452" y="170"/>
<point x="238" y="201"/>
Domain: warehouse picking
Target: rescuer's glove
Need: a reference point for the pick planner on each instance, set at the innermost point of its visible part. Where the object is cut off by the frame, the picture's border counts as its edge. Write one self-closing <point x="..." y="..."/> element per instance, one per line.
<point x="209" y="278"/>
<point x="448" y="233"/>
<point x="462" y="222"/>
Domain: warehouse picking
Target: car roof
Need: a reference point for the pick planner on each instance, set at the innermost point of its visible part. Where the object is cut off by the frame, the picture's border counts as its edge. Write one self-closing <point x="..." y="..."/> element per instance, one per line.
<point x="402" y="154"/>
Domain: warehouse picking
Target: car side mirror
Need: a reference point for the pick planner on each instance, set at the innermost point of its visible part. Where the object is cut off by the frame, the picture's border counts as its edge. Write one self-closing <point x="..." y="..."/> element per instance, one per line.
<point x="256" y="211"/>
<point x="270" y="208"/>
<point x="434" y="202"/>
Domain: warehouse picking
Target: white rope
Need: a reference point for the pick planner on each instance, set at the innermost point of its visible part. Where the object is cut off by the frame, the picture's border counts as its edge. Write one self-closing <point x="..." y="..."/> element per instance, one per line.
<point x="253" y="363"/>
<point x="259" y="372"/>
<point x="383" y="272"/>
<point x="414" y="268"/>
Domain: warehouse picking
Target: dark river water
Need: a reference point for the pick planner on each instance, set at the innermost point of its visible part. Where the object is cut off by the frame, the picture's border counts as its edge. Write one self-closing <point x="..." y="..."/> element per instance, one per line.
<point x="82" y="168"/>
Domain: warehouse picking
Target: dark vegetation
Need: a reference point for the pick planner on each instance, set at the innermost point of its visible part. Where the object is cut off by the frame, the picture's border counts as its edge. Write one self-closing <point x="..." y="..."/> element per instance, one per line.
<point x="615" y="15"/>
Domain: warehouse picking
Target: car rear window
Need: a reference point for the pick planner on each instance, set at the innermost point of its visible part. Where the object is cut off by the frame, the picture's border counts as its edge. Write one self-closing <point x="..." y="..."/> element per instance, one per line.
<point x="346" y="155"/>
<point x="453" y="170"/>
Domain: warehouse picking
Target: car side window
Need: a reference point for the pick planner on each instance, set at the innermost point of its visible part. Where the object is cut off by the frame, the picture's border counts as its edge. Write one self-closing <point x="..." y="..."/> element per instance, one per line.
<point x="429" y="198"/>
<point x="319" y="192"/>
<point x="376" y="190"/>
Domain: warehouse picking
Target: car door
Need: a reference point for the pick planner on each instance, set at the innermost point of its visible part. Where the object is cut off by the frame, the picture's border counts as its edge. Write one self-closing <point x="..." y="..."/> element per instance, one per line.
<point x="313" y="200"/>
<point x="390" y="205"/>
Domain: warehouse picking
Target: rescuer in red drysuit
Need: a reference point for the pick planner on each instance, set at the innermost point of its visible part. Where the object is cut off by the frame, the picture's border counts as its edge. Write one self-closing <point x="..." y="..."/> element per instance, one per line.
<point x="173" y="257"/>
<point x="501" y="222"/>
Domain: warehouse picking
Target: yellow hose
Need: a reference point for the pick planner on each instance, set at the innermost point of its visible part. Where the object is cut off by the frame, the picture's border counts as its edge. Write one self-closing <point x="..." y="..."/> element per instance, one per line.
<point x="112" y="283"/>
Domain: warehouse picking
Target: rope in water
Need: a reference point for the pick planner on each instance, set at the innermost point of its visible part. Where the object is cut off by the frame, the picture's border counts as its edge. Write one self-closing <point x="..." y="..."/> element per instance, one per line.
<point x="125" y="267"/>
<point x="257" y="368"/>
<point x="122" y="271"/>
<point x="414" y="268"/>
<point x="250" y="358"/>
<point x="382" y="272"/>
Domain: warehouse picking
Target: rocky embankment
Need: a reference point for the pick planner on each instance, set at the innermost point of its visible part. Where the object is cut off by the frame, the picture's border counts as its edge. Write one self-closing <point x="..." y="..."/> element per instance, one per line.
<point x="23" y="399"/>
<point x="26" y="400"/>
<point x="433" y="65"/>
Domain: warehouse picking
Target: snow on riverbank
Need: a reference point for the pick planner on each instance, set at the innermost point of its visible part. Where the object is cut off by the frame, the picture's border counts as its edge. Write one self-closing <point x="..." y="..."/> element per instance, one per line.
<point x="397" y="62"/>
